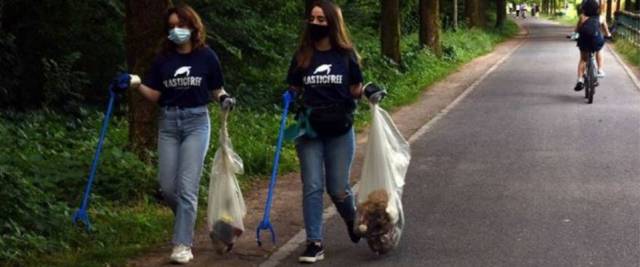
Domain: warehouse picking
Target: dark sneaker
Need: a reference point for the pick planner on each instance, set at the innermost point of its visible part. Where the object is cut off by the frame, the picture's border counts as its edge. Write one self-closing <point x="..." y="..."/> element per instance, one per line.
<point x="579" y="86"/>
<point x="312" y="254"/>
<point x="355" y="238"/>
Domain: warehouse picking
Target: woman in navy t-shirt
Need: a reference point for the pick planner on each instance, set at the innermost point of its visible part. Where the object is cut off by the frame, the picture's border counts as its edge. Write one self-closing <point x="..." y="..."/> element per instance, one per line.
<point x="326" y="71"/>
<point x="183" y="79"/>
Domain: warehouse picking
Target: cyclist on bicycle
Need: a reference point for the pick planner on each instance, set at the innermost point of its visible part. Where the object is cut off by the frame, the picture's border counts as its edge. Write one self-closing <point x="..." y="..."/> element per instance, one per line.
<point x="590" y="37"/>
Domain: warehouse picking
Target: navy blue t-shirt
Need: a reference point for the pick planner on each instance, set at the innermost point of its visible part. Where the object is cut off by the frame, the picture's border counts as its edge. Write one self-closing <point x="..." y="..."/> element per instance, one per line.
<point x="185" y="80"/>
<point x="327" y="79"/>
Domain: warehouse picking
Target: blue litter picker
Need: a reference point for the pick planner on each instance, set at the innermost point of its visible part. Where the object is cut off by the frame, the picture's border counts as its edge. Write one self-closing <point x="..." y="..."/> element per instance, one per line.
<point x="287" y="97"/>
<point x="81" y="214"/>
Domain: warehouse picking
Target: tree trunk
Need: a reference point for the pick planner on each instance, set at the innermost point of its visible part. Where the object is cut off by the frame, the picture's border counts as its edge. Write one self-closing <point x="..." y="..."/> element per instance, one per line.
<point x="474" y="12"/>
<point x="501" y="6"/>
<point x="430" y="25"/>
<point x="637" y="6"/>
<point x="618" y="5"/>
<point x="609" y="12"/>
<point x="455" y="14"/>
<point x="390" y="29"/>
<point x="144" y="31"/>
<point x="547" y="7"/>
<point x="628" y="5"/>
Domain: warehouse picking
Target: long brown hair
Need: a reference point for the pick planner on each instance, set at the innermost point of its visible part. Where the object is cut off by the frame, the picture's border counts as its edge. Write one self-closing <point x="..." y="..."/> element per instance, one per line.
<point x="190" y="19"/>
<point x="338" y="35"/>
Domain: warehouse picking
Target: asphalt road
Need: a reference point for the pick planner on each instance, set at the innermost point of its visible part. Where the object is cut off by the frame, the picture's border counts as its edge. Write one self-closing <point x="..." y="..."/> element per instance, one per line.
<point x="521" y="172"/>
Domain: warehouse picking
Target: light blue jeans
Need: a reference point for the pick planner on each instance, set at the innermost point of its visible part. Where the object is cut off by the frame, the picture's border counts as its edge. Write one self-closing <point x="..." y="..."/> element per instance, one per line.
<point x="183" y="140"/>
<point x="325" y="161"/>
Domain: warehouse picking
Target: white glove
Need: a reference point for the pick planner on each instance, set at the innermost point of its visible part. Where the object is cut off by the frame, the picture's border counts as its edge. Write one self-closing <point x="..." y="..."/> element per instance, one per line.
<point x="135" y="81"/>
<point x="227" y="103"/>
<point x="574" y="36"/>
<point x="376" y="97"/>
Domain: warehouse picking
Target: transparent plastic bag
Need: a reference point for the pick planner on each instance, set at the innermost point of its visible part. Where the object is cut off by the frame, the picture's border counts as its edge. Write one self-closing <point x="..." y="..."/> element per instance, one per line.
<point x="226" y="208"/>
<point x="380" y="218"/>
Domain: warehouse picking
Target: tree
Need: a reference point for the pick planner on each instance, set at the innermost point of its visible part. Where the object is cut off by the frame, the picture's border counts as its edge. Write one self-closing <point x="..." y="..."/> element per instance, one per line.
<point x="144" y="23"/>
<point x="501" y="9"/>
<point x="455" y="14"/>
<point x="618" y="5"/>
<point x="628" y="5"/>
<point x="390" y="29"/>
<point x="474" y="12"/>
<point x="609" y="12"/>
<point x="430" y="25"/>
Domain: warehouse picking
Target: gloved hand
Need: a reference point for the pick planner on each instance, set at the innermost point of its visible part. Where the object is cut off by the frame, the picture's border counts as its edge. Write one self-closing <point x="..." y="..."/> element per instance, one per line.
<point x="289" y="95"/>
<point x="124" y="81"/>
<point x="374" y="93"/>
<point x="227" y="103"/>
<point x="574" y="36"/>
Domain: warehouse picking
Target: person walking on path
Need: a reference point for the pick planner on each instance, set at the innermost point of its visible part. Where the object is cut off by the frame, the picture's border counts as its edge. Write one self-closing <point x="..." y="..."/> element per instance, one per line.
<point x="184" y="78"/>
<point x="326" y="71"/>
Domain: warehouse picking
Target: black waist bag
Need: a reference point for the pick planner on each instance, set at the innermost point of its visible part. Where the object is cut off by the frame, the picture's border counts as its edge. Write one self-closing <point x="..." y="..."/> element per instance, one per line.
<point x="331" y="121"/>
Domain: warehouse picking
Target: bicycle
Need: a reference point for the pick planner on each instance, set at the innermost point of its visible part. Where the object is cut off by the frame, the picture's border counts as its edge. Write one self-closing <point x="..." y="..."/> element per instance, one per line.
<point x="591" y="73"/>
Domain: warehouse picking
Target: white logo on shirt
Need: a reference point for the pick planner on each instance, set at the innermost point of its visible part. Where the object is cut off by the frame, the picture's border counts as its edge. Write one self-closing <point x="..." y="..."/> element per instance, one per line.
<point x="183" y="70"/>
<point x="185" y="81"/>
<point x="323" y="68"/>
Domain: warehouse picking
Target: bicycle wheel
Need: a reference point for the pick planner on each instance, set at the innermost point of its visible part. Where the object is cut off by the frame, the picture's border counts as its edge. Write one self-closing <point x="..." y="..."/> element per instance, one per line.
<point x="592" y="90"/>
<point x="591" y="79"/>
<point x="586" y="86"/>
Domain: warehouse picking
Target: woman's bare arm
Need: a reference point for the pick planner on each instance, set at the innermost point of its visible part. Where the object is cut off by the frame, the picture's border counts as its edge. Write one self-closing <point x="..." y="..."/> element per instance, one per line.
<point x="356" y="90"/>
<point x="148" y="93"/>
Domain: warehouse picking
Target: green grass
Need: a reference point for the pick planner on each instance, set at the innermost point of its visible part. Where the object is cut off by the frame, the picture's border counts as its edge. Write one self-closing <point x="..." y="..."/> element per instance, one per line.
<point x="35" y="149"/>
<point x="568" y="19"/>
<point x="119" y="233"/>
<point x="629" y="51"/>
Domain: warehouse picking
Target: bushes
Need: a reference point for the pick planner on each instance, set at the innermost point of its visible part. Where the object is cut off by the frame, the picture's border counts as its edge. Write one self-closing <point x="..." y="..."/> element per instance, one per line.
<point x="31" y="217"/>
<point x="87" y="35"/>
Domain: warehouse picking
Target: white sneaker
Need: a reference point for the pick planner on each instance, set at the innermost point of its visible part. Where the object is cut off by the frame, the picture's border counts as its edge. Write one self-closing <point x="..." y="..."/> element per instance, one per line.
<point x="181" y="254"/>
<point x="601" y="74"/>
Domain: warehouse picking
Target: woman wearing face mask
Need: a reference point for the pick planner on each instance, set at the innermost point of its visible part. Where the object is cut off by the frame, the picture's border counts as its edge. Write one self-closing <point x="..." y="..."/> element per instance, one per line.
<point x="184" y="78"/>
<point x="326" y="71"/>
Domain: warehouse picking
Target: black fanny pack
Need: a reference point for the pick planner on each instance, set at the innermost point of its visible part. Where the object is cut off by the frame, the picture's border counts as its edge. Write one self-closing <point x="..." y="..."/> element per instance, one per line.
<point x="333" y="120"/>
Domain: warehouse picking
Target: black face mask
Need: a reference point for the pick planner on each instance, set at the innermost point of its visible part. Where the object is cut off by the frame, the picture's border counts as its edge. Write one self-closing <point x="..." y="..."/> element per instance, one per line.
<point x="318" y="32"/>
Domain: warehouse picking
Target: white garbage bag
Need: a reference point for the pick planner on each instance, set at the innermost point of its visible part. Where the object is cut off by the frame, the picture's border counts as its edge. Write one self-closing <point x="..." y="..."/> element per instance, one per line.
<point x="225" y="204"/>
<point x="380" y="218"/>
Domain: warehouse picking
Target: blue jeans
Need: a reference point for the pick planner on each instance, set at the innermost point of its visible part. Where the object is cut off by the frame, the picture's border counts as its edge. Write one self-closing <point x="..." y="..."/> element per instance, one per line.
<point x="183" y="140"/>
<point x="325" y="160"/>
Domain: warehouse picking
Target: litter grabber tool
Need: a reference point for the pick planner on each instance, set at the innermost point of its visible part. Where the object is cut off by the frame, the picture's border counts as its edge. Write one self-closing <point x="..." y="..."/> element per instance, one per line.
<point x="287" y="97"/>
<point x="81" y="214"/>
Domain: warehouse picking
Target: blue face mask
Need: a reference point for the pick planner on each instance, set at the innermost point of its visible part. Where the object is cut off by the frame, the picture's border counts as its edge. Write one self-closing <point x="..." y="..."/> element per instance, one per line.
<point x="179" y="35"/>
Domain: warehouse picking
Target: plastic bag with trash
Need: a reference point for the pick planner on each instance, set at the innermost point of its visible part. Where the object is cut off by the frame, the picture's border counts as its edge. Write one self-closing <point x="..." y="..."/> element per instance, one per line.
<point x="380" y="218"/>
<point x="226" y="208"/>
